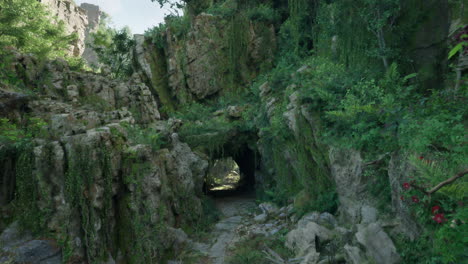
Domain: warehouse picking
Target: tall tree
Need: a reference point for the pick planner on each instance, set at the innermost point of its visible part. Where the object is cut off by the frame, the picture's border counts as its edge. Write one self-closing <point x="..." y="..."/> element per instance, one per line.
<point x="27" y="26"/>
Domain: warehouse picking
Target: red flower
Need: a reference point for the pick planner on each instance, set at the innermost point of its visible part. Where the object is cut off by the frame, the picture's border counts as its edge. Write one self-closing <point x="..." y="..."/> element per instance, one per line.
<point x="439" y="218"/>
<point x="402" y="198"/>
<point x="421" y="157"/>
<point x="415" y="199"/>
<point x="435" y="209"/>
<point x="406" y="186"/>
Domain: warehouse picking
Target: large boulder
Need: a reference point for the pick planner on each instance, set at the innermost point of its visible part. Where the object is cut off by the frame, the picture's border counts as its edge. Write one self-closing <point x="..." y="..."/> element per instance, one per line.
<point x="378" y="244"/>
<point x="304" y="239"/>
<point x="356" y="204"/>
<point x="400" y="170"/>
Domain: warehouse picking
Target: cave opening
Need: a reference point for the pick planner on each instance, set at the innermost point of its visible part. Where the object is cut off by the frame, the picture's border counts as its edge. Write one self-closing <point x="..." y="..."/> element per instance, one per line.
<point x="232" y="175"/>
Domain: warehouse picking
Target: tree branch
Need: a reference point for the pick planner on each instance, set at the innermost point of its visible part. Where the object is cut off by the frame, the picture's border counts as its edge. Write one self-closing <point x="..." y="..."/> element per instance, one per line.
<point x="442" y="184"/>
<point x="448" y="181"/>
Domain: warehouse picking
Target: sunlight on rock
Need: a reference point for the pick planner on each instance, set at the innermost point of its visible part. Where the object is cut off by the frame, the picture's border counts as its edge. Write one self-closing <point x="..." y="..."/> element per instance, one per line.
<point x="224" y="175"/>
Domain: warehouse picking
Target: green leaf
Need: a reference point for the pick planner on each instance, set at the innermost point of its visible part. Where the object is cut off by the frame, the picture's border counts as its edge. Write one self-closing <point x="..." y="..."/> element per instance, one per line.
<point x="410" y="76"/>
<point x="456" y="49"/>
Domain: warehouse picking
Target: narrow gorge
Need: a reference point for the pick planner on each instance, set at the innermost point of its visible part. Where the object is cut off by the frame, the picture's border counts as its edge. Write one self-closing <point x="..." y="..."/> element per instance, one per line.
<point x="236" y="132"/>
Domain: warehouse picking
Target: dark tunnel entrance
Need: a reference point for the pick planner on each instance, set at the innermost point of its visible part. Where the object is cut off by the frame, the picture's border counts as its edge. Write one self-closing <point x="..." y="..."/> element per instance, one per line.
<point x="232" y="175"/>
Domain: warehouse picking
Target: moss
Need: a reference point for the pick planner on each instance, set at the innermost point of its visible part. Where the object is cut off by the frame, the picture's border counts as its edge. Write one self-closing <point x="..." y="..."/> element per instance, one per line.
<point x="27" y="194"/>
<point x="300" y="163"/>
<point x="79" y="182"/>
<point x="159" y="76"/>
<point x="140" y="238"/>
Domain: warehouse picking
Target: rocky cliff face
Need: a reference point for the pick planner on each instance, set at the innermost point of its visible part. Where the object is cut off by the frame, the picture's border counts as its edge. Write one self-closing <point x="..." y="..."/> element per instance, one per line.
<point x="197" y="65"/>
<point x="93" y="13"/>
<point x="76" y="21"/>
<point x="89" y="181"/>
<point x="82" y="20"/>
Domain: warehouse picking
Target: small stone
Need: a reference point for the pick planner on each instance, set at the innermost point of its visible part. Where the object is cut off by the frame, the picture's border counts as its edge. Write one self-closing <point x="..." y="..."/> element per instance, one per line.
<point x="261" y="218"/>
<point x="234" y="111"/>
<point x="268" y="208"/>
<point x="283" y="215"/>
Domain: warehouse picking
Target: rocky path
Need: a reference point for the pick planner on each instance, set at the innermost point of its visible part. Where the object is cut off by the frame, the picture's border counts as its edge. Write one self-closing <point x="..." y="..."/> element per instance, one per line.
<point x="235" y="211"/>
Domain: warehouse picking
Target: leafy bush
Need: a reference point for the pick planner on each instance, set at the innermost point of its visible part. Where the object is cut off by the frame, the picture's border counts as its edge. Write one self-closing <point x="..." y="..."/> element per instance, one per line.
<point x="18" y="134"/>
<point x="27" y="26"/>
<point x="251" y="251"/>
<point x="178" y="25"/>
<point x="146" y="136"/>
<point x="225" y="9"/>
<point x="263" y="13"/>
<point x="114" y="49"/>
<point x="157" y="35"/>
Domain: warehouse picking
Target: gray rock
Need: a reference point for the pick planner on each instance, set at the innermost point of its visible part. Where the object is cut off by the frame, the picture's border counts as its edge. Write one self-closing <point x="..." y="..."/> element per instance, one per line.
<point x="354" y="255"/>
<point x="311" y="258"/>
<point x="261" y="218"/>
<point x="327" y="219"/>
<point x="310" y="217"/>
<point x="75" y="21"/>
<point x="346" y="170"/>
<point x="229" y="223"/>
<point x="303" y="239"/>
<point x="378" y="244"/>
<point x="37" y="251"/>
<point x="268" y="208"/>
<point x="12" y="236"/>
<point x="93" y="13"/>
<point x="368" y="214"/>
<point x="400" y="170"/>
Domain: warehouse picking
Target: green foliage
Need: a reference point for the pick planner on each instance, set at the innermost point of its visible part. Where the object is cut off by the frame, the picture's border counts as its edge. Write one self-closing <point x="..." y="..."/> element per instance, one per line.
<point x="296" y="33"/>
<point x="237" y="44"/>
<point x="141" y="231"/>
<point x="178" y="25"/>
<point x="450" y="241"/>
<point x="21" y="134"/>
<point x="416" y="251"/>
<point x="251" y="251"/>
<point x="79" y="181"/>
<point x="438" y="244"/>
<point x="378" y="185"/>
<point x="263" y="13"/>
<point x="358" y="33"/>
<point x="28" y="27"/>
<point x="95" y="102"/>
<point x="146" y="136"/>
<point x="27" y="193"/>
<point x="114" y="49"/>
<point x="157" y="35"/>
<point x="224" y="9"/>
<point x="202" y="226"/>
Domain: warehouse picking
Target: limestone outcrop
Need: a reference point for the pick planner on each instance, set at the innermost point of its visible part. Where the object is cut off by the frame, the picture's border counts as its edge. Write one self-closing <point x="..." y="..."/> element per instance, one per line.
<point x="75" y="19"/>
<point x="198" y="64"/>
<point x="82" y="20"/>
<point x="94" y="14"/>
<point x="88" y="178"/>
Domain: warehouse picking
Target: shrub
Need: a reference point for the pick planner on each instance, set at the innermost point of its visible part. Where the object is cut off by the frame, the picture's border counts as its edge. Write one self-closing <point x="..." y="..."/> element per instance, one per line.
<point x="263" y="13"/>
<point x="27" y="26"/>
<point x="114" y="49"/>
